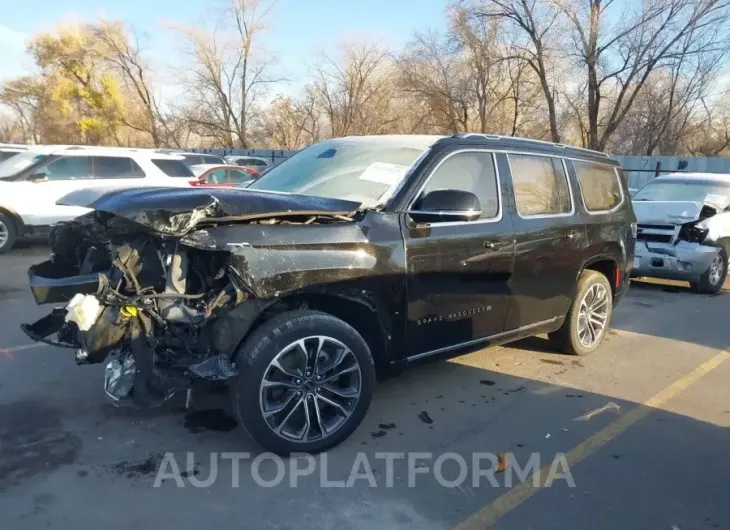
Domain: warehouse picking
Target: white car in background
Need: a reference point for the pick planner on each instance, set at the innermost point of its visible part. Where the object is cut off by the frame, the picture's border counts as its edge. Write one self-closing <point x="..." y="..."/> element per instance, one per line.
<point x="32" y="182"/>
<point x="254" y="162"/>
<point x="683" y="230"/>
<point x="194" y="159"/>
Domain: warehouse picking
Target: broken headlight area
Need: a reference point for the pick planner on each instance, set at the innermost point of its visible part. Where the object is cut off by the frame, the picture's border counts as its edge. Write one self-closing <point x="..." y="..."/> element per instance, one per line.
<point x="159" y="313"/>
<point x="693" y="232"/>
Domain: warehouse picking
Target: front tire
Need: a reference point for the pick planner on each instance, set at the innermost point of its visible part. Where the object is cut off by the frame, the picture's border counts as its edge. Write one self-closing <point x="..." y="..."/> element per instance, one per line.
<point x="589" y="316"/>
<point x="305" y="382"/>
<point x="8" y="233"/>
<point x="714" y="277"/>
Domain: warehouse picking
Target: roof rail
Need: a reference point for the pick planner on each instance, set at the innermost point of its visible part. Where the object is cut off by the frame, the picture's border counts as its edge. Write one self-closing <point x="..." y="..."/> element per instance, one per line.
<point x="517" y="138"/>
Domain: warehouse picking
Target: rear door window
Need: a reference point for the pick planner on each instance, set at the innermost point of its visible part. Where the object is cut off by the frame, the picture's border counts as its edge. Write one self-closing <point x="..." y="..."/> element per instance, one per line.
<point x="213" y="160"/>
<point x="173" y="168"/>
<point x="540" y="184"/>
<point x="599" y="185"/>
<point x="116" y="167"/>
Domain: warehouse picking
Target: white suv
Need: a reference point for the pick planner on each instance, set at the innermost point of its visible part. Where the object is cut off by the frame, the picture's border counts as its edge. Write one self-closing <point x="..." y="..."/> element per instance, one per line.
<point x="32" y="182"/>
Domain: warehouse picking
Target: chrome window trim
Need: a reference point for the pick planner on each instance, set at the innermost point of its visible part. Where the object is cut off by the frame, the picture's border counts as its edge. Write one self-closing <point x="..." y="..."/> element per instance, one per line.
<point x="495" y="219"/>
<point x="477" y="341"/>
<point x="620" y="187"/>
<point x="569" y="213"/>
<point x="450" y="212"/>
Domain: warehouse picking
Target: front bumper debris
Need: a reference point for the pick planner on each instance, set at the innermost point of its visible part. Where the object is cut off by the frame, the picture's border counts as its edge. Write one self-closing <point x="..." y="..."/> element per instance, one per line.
<point x="52" y="283"/>
<point x="683" y="261"/>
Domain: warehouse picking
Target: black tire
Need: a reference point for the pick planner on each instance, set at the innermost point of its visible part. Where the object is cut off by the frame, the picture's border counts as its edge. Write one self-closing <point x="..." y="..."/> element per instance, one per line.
<point x="567" y="338"/>
<point x="7" y="227"/>
<point x="705" y="285"/>
<point x="259" y="350"/>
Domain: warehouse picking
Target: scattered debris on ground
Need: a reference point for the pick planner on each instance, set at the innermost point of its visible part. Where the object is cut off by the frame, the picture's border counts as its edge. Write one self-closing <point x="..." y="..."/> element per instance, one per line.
<point x="608" y="406"/>
<point x="502" y="463"/>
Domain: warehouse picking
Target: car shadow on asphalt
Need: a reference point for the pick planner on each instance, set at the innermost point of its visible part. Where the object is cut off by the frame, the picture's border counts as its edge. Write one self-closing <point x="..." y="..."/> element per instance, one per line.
<point x="91" y="449"/>
<point x="650" y="308"/>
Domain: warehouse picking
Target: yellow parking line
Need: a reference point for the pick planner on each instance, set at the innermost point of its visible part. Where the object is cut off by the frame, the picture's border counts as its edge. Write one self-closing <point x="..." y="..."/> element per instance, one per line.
<point x="492" y="512"/>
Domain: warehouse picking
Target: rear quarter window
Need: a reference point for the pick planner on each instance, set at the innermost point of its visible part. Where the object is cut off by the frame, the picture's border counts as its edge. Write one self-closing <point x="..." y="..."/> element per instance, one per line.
<point x="599" y="186"/>
<point x="173" y="168"/>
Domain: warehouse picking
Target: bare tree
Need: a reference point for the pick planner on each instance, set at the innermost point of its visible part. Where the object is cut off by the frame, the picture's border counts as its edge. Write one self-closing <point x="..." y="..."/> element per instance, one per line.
<point x="534" y="22"/>
<point x="620" y="58"/>
<point x="120" y="47"/>
<point x="431" y="72"/>
<point x="24" y="98"/>
<point x="229" y="73"/>
<point x="355" y="91"/>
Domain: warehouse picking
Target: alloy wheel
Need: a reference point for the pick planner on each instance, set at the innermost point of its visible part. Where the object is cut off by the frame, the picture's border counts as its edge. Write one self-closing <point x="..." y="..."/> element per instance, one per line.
<point x="4" y="234"/>
<point x="310" y="389"/>
<point x="593" y="315"/>
<point x="716" y="269"/>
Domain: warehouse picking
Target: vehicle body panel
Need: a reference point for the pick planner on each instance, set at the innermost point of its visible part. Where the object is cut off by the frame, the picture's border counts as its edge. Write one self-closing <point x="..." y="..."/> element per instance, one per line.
<point x="177" y="211"/>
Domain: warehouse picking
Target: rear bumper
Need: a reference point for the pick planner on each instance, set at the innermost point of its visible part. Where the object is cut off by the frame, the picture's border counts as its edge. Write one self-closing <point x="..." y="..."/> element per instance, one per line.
<point x="683" y="261"/>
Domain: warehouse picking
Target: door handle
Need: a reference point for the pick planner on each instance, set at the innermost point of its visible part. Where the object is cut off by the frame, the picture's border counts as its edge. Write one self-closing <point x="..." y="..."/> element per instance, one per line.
<point x="489" y="245"/>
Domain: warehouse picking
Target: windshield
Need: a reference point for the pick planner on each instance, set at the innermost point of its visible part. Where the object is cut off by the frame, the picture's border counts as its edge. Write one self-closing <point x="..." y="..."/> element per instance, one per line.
<point x="681" y="190"/>
<point x="19" y="162"/>
<point x="365" y="171"/>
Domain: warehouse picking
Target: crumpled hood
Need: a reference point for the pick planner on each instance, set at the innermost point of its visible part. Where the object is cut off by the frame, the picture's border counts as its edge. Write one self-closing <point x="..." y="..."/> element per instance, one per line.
<point x="668" y="212"/>
<point x="177" y="211"/>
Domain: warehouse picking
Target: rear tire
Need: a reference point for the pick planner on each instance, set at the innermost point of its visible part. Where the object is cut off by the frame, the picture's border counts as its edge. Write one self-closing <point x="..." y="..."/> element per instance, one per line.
<point x="589" y="317"/>
<point x="8" y="233"/>
<point x="714" y="277"/>
<point x="288" y="395"/>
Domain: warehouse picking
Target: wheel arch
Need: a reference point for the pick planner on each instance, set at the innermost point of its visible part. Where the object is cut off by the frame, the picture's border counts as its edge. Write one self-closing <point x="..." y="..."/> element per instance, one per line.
<point x="17" y="220"/>
<point x="362" y="311"/>
<point x="606" y="265"/>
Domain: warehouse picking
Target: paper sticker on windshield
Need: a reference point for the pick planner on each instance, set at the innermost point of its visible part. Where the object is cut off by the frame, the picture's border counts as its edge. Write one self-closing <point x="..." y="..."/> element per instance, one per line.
<point x="384" y="173"/>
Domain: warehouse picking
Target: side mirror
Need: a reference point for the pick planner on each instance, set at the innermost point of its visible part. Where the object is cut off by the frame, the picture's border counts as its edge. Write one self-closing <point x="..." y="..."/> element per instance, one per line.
<point x="38" y="177"/>
<point x="447" y="205"/>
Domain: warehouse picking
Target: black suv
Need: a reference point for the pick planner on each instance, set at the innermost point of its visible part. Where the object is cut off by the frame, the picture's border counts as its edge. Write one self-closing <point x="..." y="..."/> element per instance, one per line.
<point x="354" y="255"/>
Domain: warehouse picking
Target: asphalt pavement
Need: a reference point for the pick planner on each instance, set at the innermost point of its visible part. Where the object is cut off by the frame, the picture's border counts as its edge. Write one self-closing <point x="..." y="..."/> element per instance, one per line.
<point x="634" y="436"/>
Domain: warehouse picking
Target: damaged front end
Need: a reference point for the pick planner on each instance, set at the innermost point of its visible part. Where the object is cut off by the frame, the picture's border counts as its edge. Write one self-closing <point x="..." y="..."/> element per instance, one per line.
<point x="161" y="314"/>
<point x="679" y="240"/>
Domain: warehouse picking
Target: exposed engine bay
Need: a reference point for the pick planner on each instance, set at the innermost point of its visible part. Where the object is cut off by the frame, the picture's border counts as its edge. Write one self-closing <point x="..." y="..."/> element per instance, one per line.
<point x="159" y="312"/>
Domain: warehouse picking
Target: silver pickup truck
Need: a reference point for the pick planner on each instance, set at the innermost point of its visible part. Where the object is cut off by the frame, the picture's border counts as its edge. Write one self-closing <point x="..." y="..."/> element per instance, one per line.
<point x="683" y="229"/>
